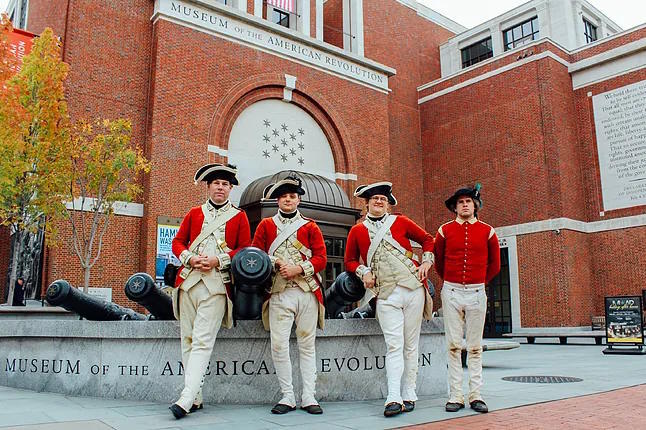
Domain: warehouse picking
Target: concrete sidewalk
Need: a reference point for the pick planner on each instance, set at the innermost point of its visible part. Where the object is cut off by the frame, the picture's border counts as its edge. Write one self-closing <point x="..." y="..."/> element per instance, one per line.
<point x="28" y="410"/>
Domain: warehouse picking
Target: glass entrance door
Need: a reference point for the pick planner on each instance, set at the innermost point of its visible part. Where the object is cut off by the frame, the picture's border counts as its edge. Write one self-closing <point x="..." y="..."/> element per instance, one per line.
<point x="498" y="319"/>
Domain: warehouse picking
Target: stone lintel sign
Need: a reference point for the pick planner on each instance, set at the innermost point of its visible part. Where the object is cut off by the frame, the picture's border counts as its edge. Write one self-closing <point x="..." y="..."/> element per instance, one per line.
<point x="212" y="20"/>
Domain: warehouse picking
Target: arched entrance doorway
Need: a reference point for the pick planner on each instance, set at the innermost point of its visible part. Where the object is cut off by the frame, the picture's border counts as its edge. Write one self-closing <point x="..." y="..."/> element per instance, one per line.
<point x="324" y="201"/>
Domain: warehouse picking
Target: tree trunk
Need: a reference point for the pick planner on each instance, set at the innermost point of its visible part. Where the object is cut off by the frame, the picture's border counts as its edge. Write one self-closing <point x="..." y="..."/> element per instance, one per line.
<point x="16" y="252"/>
<point x="86" y="278"/>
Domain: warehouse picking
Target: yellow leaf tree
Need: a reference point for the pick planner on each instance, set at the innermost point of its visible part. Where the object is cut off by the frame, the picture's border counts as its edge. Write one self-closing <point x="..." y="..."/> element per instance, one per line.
<point x="34" y="123"/>
<point x="105" y="169"/>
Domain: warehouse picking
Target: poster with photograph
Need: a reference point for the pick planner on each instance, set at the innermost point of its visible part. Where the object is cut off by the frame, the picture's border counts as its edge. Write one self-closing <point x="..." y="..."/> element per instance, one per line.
<point x="624" y="320"/>
<point x="166" y="231"/>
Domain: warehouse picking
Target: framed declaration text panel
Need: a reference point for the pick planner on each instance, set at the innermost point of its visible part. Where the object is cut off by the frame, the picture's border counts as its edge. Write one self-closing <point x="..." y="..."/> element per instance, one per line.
<point x="620" y="123"/>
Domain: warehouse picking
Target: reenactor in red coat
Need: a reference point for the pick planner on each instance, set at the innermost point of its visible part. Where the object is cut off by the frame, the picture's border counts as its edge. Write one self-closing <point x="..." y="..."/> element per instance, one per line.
<point x="379" y="251"/>
<point x="297" y="250"/>
<point x="207" y="239"/>
<point x="467" y="256"/>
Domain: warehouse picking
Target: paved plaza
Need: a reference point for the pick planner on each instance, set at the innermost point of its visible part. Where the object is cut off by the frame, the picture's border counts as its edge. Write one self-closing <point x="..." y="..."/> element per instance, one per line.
<point x="609" y="395"/>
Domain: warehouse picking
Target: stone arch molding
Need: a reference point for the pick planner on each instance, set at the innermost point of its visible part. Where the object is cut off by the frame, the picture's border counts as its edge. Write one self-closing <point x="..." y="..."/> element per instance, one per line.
<point x="256" y="128"/>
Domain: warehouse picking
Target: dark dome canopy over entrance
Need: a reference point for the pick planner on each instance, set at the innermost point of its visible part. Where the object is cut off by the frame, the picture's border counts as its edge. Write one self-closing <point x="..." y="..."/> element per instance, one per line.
<point x="318" y="189"/>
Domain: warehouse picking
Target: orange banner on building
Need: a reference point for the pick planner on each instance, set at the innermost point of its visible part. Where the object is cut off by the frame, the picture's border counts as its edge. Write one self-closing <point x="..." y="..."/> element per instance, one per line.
<point x="20" y="43"/>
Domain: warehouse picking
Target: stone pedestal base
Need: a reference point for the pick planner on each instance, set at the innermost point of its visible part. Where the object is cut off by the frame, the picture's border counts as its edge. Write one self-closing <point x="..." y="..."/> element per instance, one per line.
<point x="142" y="360"/>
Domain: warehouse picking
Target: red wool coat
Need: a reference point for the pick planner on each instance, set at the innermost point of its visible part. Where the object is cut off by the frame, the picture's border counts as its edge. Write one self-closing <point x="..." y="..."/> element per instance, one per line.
<point x="309" y="235"/>
<point x="467" y="253"/>
<point x="237" y="234"/>
<point x="402" y="230"/>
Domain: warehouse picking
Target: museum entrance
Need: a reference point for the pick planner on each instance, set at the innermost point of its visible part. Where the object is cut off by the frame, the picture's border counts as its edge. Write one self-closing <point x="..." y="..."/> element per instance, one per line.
<point x="498" y="319"/>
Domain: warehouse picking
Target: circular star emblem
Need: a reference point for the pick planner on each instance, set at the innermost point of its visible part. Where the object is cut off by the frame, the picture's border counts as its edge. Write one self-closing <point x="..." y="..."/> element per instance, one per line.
<point x="251" y="262"/>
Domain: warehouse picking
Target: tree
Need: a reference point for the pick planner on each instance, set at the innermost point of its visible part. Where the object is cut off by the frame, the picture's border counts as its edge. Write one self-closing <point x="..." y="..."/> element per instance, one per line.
<point x="34" y="165"/>
<point x="105" y="168"/>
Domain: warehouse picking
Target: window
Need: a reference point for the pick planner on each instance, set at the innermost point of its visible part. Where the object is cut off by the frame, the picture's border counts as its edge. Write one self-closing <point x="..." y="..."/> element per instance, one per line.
<point x="279" y="17"/>
<point x="521" y="34"/>
<point x="590" y="31"/>
<point x="335" y="251"/>
<point x="476" y="53"/>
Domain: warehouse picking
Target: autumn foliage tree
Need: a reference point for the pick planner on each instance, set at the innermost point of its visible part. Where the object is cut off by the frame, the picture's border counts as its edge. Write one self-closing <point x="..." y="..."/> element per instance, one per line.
<point x="52" y="170"/>
<point x="34" y="124"/>
<point x="105" y="167"/>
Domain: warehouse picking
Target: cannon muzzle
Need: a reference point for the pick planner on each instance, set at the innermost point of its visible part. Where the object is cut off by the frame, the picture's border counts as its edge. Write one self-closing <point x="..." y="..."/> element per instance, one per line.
<point x="251" y="269"/>
<point x="346" y="289"/>
<point x="141" y="289"/>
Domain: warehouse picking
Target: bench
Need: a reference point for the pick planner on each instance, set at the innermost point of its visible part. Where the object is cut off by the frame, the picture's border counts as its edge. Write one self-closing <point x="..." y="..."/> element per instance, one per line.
<point x="531" y="336"/>
<point x="598" y="322"/>
<point x="490" y="345"/>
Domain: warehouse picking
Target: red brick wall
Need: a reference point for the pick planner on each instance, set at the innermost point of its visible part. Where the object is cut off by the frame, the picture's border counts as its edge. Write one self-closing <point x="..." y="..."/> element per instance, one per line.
<point x="480" y="69"/>
<point x="603" y="46"/>
<point x="118" y="261"/>
<point x="618" y="264"/>
<point x="333" y="22"/>
<point x="47" y="13"/>
<point x="555" y="279"/>
<point x="409" y="53"/>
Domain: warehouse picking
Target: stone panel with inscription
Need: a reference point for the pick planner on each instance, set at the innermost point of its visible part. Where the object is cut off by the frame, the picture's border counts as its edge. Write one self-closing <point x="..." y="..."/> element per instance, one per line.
<point x="141" y="360"/>
<point x="620" y="122"/>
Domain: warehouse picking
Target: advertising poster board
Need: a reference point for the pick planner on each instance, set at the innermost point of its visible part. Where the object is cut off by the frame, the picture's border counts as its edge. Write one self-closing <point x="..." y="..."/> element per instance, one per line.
<point x="624" y="326"/>
<point x="166" y="230"/>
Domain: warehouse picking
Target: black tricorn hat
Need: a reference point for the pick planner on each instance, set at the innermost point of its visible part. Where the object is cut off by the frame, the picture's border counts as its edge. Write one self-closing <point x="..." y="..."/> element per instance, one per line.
<point x="212" y="171"/>
<point x="378" y="188"/>
<point x="290" y="184"/>
<point x="474" y="193"/>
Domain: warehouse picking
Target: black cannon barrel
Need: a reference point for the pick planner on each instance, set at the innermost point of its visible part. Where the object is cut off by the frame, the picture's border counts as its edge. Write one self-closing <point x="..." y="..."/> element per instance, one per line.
<point x="251" y="266"/>
<point x="346" y="289"/>
<point x="61" y="293"/>
<point x="251" y="269"/>
<point x="365" y="311"/>
<point x="141" y="289"/>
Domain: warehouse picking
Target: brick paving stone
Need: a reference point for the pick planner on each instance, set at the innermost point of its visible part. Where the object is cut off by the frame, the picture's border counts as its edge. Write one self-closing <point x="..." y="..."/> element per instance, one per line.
<point x="618" y="409"/>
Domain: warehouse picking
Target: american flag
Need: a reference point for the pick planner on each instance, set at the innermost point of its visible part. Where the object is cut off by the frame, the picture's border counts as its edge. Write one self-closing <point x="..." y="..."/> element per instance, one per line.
<point x="287" y="5"/>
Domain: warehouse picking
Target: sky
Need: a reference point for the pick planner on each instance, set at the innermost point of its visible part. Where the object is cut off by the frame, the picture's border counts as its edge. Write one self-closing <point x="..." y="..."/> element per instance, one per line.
<point x="469" y="13"/>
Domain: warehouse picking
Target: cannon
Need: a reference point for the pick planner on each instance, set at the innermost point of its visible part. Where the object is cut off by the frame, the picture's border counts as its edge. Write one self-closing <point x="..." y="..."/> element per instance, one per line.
<point x="61" y="293"/>
<point x="346" y="289"/>
<point x="363" y="312"/>
<point x="141" y="289"/>
<point x="251" y="271"/>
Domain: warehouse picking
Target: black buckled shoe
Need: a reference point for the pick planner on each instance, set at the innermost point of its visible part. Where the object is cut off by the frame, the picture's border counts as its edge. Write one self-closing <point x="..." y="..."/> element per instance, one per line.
<point x="282" y="408"/>
<point x="479" y="406"/>
<point x="313" y="409"/>
<point x="195" y="407"/>
<point x="392" y="409"/>
<point x="177" y="411"/>
<point x="453" y="406"/>
<point x="409" y="405"/>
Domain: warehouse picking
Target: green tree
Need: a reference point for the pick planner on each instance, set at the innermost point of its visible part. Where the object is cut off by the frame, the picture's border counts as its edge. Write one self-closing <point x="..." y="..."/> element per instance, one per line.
<point x="105" y="169"/>
<point x="34" y="124"/>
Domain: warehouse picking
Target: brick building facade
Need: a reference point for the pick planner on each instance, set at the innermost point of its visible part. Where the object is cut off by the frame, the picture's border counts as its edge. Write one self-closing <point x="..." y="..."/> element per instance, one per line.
<point x="380" y="81"/>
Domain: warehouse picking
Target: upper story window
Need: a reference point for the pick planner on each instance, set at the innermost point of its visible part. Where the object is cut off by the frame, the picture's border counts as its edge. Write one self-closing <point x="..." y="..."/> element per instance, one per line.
<point x="282" y="12"/>
<point x="477" y="52"/>
<point x="521" y="34"/>
<point x="590" y="31"/>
